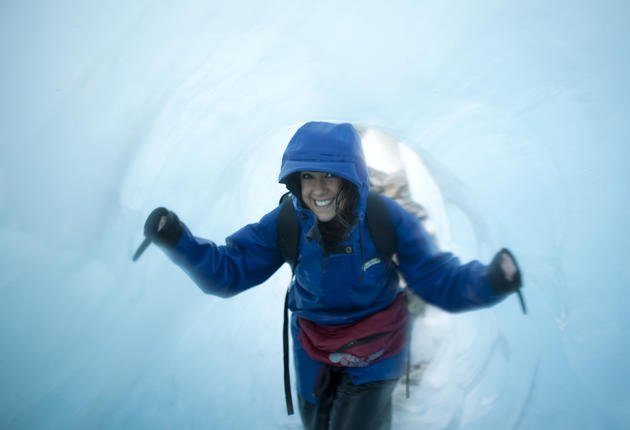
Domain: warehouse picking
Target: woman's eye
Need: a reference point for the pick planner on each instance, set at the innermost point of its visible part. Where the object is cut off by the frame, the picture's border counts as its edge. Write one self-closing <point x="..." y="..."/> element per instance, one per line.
<point x="330" y="175"/>
<point x="306" y="176"/>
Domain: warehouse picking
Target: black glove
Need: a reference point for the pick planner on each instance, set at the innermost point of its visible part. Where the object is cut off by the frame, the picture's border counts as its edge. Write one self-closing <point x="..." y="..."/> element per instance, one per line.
<point x="166" y="235"/>
<point x="503" y="272"/>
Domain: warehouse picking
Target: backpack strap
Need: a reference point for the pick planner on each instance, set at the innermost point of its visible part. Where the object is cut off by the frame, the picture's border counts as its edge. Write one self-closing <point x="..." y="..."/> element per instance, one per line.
<point x="380" y="225"/>
<point x="285" y="356"/>
<point x="288" y="231"/>
<point x="382" y="230"/>
<point x="377" y="219"/>
<point x="288" y="240"/>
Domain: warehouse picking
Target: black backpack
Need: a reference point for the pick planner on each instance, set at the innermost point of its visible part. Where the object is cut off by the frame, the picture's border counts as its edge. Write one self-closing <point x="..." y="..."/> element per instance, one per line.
<point x="380" y="226"/>
<point x="376" y="216"/>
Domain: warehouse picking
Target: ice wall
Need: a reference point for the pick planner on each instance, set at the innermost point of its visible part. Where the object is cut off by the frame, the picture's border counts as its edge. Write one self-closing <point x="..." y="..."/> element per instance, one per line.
<point x="112" y="108"/>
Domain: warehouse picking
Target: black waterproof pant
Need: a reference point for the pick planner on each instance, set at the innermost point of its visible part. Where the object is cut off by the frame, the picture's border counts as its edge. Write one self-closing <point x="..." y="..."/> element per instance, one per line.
<point x="345" y="406"/>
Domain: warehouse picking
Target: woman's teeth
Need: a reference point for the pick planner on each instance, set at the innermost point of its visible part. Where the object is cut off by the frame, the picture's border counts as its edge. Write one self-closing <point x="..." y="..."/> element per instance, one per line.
<point x="323" y="202"/>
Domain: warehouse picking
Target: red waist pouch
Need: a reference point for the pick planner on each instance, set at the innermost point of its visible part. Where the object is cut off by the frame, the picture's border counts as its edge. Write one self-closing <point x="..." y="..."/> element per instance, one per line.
<point x="359" y="344"/>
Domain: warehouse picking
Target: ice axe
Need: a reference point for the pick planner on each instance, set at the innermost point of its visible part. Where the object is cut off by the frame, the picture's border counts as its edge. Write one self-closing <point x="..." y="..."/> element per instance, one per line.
<point x="143" y="246"/>
<point x="510" y="280"/>
<point x="155" y="224"/>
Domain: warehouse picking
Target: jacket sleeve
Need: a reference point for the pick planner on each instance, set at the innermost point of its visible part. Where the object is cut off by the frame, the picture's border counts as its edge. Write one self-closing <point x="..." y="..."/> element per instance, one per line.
<point x="438" y="277"/>
<point x="249" y="257"/>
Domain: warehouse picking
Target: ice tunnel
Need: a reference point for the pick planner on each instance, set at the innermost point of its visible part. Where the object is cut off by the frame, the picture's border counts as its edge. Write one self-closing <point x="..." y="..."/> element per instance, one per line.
<point x="512" y="126"/>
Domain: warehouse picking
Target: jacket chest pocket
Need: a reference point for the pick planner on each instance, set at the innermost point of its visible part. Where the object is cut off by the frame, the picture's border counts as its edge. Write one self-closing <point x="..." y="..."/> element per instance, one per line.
<point x="374" y="273"/>
<point x="342" y="285"/>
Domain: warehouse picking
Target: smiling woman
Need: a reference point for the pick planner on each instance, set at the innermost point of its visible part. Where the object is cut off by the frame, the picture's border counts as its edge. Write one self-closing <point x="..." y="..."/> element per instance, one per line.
<point x="345" y="297"/>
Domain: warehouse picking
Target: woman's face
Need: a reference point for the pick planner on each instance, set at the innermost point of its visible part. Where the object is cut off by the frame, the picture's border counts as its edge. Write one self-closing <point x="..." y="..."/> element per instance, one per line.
<point x="319" y="193"/>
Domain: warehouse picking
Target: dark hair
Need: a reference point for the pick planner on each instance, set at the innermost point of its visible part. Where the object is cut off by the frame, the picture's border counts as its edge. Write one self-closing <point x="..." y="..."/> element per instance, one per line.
<point x="335" y="230"/>
<point x="347" y="199"/>
<point x="293" y="184"/>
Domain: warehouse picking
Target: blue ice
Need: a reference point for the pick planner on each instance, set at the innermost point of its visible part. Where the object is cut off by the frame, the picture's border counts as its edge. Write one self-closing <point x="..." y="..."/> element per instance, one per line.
<point x="109" y="109"/>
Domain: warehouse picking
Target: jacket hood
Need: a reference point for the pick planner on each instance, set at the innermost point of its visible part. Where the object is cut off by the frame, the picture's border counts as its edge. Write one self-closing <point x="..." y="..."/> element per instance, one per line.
<point x="326" y="147"/>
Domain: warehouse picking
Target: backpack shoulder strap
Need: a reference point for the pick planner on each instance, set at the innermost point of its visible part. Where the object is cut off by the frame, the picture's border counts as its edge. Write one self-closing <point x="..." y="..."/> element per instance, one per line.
<point x="288" y="241"/>
<point x="380" y="226"/>
<point x="288" y="231"/>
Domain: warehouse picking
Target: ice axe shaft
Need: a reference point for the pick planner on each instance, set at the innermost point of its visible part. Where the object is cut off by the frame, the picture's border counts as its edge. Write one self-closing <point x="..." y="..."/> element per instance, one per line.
<point x="143" y="246"/>
<point x="522" y="300"/>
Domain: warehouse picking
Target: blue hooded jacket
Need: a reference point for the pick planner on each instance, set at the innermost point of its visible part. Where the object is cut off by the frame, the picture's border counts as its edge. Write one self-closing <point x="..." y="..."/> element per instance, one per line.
<point x="342" y="287"/>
